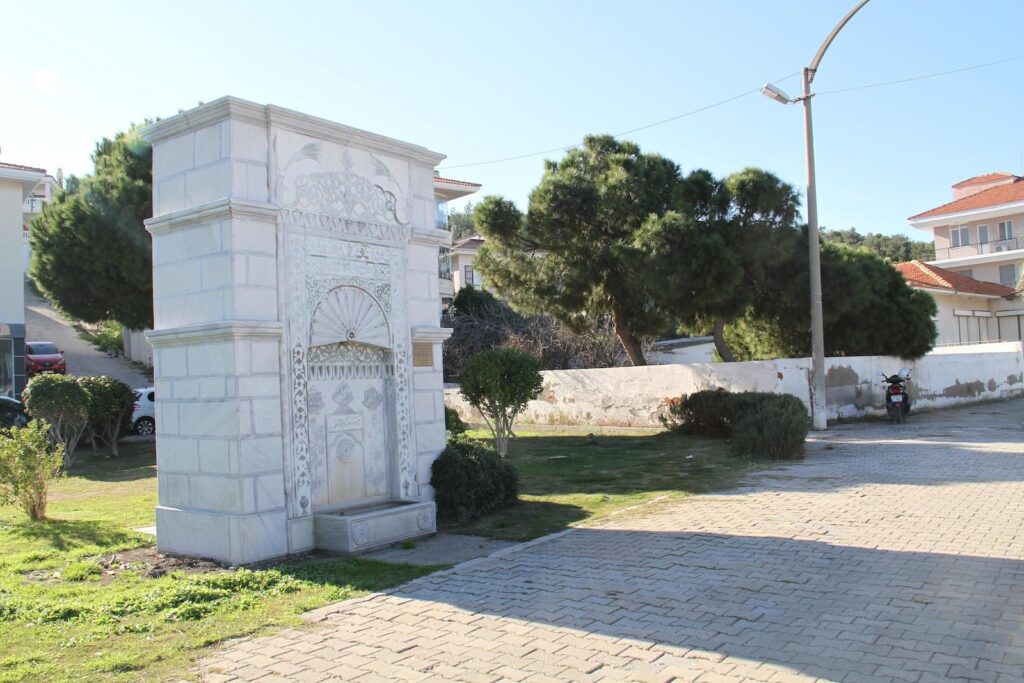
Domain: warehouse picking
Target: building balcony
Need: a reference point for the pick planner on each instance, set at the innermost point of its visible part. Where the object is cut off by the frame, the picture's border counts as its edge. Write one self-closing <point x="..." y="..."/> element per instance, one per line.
<point x="33" y="205"/>
<point x="997" y="247"/>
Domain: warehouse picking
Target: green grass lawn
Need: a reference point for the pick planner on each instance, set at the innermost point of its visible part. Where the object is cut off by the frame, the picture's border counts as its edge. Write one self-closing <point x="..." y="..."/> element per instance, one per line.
<point x="567" y="479"/>
<point x="77" y="601"/>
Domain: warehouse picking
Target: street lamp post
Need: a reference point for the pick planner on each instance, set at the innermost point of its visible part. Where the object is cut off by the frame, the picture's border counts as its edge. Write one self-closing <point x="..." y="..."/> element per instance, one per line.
<point x="818" y="406"/>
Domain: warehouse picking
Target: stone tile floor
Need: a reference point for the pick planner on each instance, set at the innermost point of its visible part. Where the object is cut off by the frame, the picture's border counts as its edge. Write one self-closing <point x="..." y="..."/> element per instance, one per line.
<point x="893" y="552"/>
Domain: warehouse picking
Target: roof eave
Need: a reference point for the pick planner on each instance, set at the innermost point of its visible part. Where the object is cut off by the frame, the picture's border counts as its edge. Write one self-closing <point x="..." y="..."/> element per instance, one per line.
<point x="939" y="220"/>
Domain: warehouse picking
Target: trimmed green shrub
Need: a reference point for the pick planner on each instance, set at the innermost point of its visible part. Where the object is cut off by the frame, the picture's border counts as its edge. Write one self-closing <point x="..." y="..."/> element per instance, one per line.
<point x="499" y="384"/>
<point x="64" y="405"/>
<point x="774" y="426"/>
<point x="110" y="409"/>
<point x="453" y="424"/>
<point x="708" y="413"/>
<point x="28" y="462"/>
<point x="471" y="480"/>
<point x="714" y="412"/>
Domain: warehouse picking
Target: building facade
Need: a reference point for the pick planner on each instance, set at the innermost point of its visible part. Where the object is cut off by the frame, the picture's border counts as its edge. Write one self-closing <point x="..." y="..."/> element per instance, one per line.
<point x="17" y="184"/>
<point x="33" y="205"/>
<point x="979" y="241"/>
<point x="980" y="233"/>
<point x="970" y="311"/>
<point x="450" y="267"/>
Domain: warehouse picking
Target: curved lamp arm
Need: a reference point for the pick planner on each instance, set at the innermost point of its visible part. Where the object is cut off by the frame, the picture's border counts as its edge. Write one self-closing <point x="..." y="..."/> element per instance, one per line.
<point x="828" y="41"/>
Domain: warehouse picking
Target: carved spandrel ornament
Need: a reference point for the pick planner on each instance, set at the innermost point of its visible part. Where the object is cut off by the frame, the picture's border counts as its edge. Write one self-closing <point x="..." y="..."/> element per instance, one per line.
<point x="311" y="181"/>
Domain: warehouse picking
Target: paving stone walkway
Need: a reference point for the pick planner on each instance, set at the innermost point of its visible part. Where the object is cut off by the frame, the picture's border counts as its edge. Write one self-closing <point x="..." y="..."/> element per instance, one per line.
<point x="891" y="553"/>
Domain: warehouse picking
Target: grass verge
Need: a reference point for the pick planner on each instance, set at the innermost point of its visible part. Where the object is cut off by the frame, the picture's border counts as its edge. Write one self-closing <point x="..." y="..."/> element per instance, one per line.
<point x="80" y="600"/>
<point x="571" y="478"/>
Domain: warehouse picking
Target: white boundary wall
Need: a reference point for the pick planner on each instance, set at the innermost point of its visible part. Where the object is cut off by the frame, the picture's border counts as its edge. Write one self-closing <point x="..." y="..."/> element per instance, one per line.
<point x="635" y="397"/>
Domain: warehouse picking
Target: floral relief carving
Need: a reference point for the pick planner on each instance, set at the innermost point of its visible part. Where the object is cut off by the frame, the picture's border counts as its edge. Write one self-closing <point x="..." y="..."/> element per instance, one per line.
<point x="310" y="285"/>
<point x="304" y="184"/>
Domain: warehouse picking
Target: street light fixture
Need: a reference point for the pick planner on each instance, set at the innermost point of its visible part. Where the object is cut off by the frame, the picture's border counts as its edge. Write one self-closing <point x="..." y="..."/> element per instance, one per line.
<point x="818" y="405"/>
<point x="776" y="94"/>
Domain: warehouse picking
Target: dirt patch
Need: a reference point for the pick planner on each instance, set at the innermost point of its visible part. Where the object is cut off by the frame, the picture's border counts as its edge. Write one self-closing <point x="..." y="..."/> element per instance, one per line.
<point x="145" y="561"/>
<point x="151" y="562"/>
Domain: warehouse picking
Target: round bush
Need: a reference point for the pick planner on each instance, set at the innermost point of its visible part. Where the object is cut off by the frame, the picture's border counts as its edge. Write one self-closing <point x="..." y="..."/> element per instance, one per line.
<point x="453" y="424"/>
<point x="774" y="427"/>
<point x="64" y="404"/>
<point x="499" y="384"/>
<point x="110" y="408"/>
<point x="471" y="480"/>
<point x="708" y="413"/>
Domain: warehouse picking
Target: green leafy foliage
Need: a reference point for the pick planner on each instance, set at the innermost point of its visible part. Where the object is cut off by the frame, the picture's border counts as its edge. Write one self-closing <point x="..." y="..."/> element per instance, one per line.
<point x="110" y="409"/>
<point x="28" y="463"/>
<point x="576" y="252"/>
<point x="499" y="384"/>
<point x="773" y="428"/>
<point x="869" y="309"/>
<point x="482" y="322"/>
<point x="760" y="424"/>
<point x="895" y="248"/>
<point x="616" y="232"/>
<point x="81" y="571"/>
<point x="460" y="222"/>
<point x="62" y="402"/>
<point x="107" y="335"/>
<point x="471" y="480"/>
<point x="91" y="254"/>
<point x="453" y="424"/>
<point x="708" y="413"/>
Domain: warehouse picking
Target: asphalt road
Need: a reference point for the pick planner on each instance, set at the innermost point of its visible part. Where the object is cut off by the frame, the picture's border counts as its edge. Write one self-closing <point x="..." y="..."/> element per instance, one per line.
<point x="44" y="324"/>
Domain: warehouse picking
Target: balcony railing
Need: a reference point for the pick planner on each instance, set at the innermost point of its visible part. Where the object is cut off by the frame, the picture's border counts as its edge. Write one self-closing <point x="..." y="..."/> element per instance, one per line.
<point x="979" y="249"/>
<point x="33" y="205"/>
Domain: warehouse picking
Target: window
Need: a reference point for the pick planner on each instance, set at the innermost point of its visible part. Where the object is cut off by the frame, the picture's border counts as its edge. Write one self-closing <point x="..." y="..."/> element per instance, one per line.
<point x="7" y="367"/>
<point x="960" y="236"/>
<point x="444" y="263"/>
<point x="441" y="214"/>
<point x="468" y="275"/>
<point x="968" y="273"/>
<point x="1006" y="230"/>
<point x="1008" y="275"/>
<point x="982" y="234"/>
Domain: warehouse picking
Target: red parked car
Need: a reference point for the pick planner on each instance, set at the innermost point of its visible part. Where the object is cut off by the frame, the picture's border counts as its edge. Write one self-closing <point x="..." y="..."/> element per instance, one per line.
<point x="42" y="357"/>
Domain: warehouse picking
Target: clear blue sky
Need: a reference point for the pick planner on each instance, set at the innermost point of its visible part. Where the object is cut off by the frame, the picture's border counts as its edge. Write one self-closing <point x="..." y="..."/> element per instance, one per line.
<point x="480" y="80"/>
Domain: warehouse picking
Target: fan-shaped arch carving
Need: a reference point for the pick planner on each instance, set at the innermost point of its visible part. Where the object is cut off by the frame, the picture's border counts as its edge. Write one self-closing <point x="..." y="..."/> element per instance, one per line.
<point x="349" y="314"/>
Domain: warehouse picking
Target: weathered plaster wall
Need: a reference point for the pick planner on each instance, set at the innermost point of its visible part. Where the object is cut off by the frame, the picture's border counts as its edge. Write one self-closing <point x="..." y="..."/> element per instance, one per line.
<point x="635" y="397"/>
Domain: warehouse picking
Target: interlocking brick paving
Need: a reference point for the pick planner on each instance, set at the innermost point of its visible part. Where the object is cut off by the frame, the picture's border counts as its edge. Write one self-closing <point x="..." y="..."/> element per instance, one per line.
<point x="893" y="552"/>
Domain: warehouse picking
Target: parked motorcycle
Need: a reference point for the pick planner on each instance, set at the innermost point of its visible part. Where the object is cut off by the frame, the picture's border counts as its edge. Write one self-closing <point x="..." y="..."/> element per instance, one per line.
<point x="897" y="400"/>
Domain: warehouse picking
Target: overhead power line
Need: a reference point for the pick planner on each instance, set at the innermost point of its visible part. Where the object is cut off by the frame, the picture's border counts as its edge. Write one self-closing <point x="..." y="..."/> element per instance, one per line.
<point x="920" y="78"/>
<point x="733" y="99"/>
<point x="625" y="132"/>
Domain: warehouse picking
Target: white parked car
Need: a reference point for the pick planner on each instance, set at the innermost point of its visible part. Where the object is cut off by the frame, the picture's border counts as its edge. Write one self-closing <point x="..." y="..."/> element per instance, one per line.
<point x="144" y="415"/>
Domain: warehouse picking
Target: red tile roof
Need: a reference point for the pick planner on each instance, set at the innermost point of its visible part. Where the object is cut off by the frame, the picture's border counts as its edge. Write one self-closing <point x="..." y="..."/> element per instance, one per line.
<point x="19" y="167"/>
<point x="471" y="242"/>
<point x="982" y="179"/>
<point x="993" y="196"/>
<point x="926" y="276"/>
<point x="452" y="181"/>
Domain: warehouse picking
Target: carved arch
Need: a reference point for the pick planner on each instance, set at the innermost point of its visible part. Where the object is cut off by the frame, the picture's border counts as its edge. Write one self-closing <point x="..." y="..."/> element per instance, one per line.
<point x="349" y="314"/>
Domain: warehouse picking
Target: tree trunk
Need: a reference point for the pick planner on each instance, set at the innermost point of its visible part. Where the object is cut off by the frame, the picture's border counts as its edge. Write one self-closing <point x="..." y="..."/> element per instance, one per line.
<point x="723" y="349"/>
<point x="629" y="342"/>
